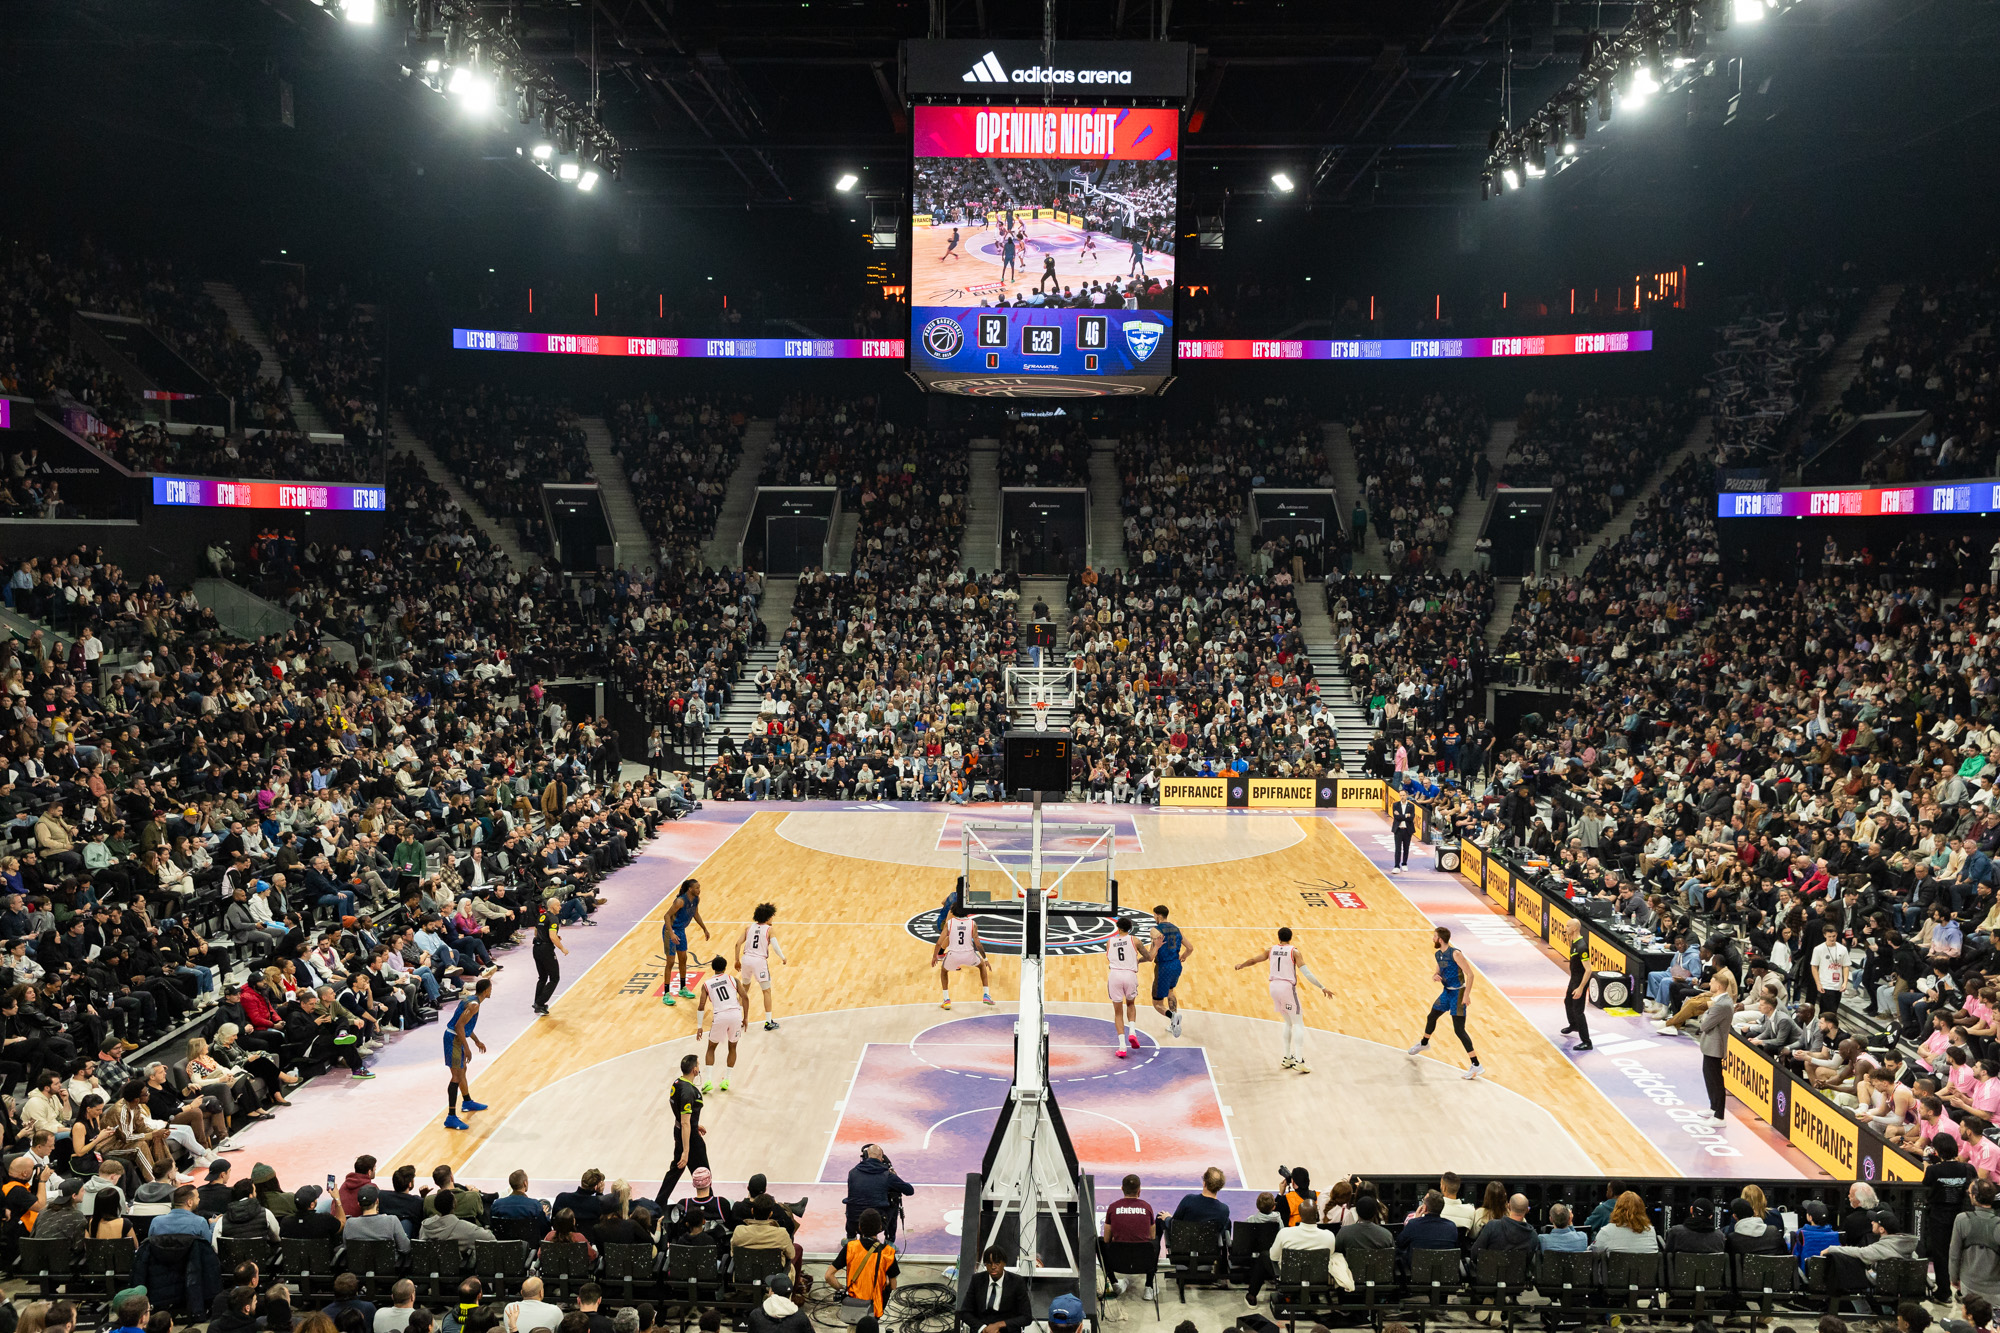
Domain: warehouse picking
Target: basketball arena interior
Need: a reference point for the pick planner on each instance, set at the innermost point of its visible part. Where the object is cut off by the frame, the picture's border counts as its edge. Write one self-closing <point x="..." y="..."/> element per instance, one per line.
<point x="953" y="666"/>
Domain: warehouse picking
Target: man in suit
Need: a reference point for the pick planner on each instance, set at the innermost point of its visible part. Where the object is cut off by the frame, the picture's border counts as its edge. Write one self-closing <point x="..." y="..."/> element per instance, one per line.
<point x="996" y="1301"/>
<point x="1403" y="825"/>
<point x="1715" y="1026"/>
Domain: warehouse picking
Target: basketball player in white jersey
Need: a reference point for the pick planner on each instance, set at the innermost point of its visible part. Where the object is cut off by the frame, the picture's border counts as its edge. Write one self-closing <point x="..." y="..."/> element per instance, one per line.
<point x="722" y="995"/>
<point x="959" y="948"/>
<point x="1287" y="966"/>
<point x="753" y="956"/>
<point x="1122" y="956"/>
<point x="1089" y="253"/>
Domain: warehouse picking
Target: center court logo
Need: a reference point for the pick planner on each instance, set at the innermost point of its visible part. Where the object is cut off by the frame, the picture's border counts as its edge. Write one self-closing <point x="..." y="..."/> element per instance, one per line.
<point x="1000" y="932"/>
<point x="1143" y="336"/>
<point x="943" y="337"/>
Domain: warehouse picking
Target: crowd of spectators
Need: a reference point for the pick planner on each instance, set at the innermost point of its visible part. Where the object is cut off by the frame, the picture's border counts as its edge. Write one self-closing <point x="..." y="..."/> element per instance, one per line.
<point x="1769" y="354"/>
<point x="679" y="452"/>
<point x="1939" y="355"/>
<point x="502" y="446"/>
<point x="1032" y="454"/>
<point x="1414" y="460"/>
<point x="331" y="349"/>
<point x="1186" y="485"/>
<point x="1593" y="451"/>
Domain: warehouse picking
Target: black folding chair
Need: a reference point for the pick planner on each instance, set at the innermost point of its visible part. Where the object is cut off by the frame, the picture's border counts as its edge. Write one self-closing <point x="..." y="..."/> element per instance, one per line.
<point x="1631" y="1281"/>
<point x="1249" y="1241"/>
<point x="1499" y="1277"/>
<point x="108" y="1266"/>
<point x="1304" y="1288"/>
<point x="1568" y="1279"/>
<point x="435" y="1268"/>
<point x="529" y="1229"/>
<point x="693" y="1276"/>
<point x="501" y="1264"/>
<point x="1899" y="1280"/>
<point x="371" y="1260"/>
<point x="1129" y="1258"/>
<point x="49" y="1263"/>
<point x="751" y="1270"/>
<point x="308" y="1263"/>
<point x="1437" y="1274"/>
<point x="234" y="1250"/>
<point x="1194" y="1253"/>
<point x="1374" y="1282"/>
<point x="632" y="1270"/>
<point x="1765" y="1280"/>
<point x="1699" y="1282"/>
<point x="564" y="1265"/>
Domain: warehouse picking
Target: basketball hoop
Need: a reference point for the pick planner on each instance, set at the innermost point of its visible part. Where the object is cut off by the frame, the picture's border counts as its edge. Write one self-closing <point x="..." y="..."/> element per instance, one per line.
<point x="1041" y="707"/>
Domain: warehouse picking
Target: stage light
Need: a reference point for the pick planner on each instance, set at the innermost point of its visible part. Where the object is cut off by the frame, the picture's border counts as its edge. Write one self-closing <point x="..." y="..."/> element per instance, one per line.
<point x="358" y="11"/>
<point x="477" y="95"/>
<point x="1282" y="181"/>
<point x="1643" y="85"/>
<point x="569" y="171"/>
<point x="587" y="182"/>
<point x="1605" y="97"/>
<point x="433" y="65"/>
<point x="1511" y="176"/>
<point x="461" y="79"/>
<point x="1486" y="187"/>
<point x="847" y="181"/>
<point x="544" y="151"/>
<point x="1579" y="123"/>
<point x="1538" y="156"/>
<point x="1749" y="11"/>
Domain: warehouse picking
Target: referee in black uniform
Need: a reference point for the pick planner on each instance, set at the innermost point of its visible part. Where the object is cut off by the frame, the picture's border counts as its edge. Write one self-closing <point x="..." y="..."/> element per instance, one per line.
<point x="1573" y="1001"/>
<point x="548" y="939"/>
<point x="689" y="1150"/>
<point x="1403" y="825"/>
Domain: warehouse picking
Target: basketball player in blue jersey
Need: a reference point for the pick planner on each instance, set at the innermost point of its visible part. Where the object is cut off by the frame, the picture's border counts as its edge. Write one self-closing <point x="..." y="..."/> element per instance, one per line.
<point x="951" y="248"/>
<point x="685" y="906"/>
<point x="754" y="948"/>
<point x="459" y="1039"/>
<point x="1454" y="976"/>
<point x="1170" y="950"/>
<point x="1288" y="964"/>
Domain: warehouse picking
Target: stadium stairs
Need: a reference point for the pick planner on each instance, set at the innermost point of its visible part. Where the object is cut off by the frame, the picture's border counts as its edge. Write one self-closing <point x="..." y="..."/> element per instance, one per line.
<point x="628" y="529"/>
<point x="1845" y="363"/>
<point x="245" y="326"/>
<point x="1346" y="489"/>
<point x="1107" y="516"/>
<point x="845" y="529"/>
<point x="980" y="542"/>
<point x="740" y="498"/>
<point x="1698" y="441"/>
<point x="1350" y="720"/>
<point x="740" y="713"/>
<point x="403" y="438"/>
<point x="1472" y="511"/>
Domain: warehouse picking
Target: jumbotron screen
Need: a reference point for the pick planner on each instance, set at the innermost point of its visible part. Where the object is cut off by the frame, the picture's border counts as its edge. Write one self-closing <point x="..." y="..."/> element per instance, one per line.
<point x="1042" y="250"/>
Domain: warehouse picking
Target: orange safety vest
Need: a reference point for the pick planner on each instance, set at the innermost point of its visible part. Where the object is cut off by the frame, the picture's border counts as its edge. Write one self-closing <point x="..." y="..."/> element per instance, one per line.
<point x="868" y="1271"/>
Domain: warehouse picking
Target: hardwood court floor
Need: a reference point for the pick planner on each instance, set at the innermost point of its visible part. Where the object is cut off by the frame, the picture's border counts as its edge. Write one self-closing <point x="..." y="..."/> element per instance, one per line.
<point x="842" y="924"/>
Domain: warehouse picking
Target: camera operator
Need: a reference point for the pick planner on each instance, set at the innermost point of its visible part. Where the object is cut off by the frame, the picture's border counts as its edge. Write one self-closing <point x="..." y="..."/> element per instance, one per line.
<point x="873" y="1183"/>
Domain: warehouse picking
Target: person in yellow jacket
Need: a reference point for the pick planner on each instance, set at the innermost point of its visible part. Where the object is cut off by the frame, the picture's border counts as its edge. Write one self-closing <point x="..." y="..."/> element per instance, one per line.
<point x="870" y="1265"/>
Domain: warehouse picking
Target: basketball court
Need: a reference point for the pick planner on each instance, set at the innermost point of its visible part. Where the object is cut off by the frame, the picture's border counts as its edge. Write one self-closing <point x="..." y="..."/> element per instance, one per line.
<point x="865" y="1054"/>
<point x="936" y="280"/>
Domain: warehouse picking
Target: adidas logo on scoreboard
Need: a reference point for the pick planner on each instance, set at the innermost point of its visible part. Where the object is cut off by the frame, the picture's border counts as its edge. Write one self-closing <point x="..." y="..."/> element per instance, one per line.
<point x="988" y="70"/>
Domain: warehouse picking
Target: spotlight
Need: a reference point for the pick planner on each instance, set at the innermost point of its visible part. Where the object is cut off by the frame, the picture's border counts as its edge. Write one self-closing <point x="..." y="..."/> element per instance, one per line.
<point x="477" y="95"/>
<point x="587" y="182"/>
<point x="1486" y="186"/>
<point x="617" y="167"/>
<point x="461" y="79"/>
<point x="544" y="151"/>
<point x="848" y="180"/>
<point x="1749" y="11"/>
<point x="1643" y="85"/>
<point x="1579" y="124"/>
<point x="433" y="65"/>
<point x="1282" y="181"/>
<point x="1537" y="156"/>
<point x="1606" y="97"/>
<point x="358" y="11"/>
<point x="569" y="171"/>
<point x="1510" y="175"/>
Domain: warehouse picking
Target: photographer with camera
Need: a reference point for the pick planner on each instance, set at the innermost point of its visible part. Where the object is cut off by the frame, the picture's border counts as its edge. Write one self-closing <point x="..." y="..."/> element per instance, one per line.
<point x="873" y="1183"/>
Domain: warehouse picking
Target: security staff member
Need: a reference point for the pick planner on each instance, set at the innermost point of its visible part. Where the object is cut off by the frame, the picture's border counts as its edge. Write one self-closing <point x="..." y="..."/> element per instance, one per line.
<point x="1403" y="824"/>
<point x="548" y="939"/>
<point x="689" y="1149"/>
<point x="1579" y="981"/>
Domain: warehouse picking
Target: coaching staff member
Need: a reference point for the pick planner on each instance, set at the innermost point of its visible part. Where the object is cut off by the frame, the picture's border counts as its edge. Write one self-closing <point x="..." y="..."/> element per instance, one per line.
<point x="548" y="939"/>
<point x="873" y="1183"/>
<point x="689" y="1150"/>
<point x="1715" y="1038"/>
<point x="1403" y="825"/>
<point x="1574" y="1007"/>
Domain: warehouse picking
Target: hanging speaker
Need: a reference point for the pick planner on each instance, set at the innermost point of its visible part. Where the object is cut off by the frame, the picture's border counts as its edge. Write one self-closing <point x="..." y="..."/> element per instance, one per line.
<point x="1610" y="990"/>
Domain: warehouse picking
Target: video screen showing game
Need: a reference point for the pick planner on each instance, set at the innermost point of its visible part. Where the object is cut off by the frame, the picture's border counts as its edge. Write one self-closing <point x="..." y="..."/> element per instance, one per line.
<point x="1042" y="249"/>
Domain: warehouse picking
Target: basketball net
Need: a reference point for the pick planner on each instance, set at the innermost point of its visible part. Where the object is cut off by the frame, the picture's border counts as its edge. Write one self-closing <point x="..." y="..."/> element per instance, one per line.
<point x="1041" y="707"/>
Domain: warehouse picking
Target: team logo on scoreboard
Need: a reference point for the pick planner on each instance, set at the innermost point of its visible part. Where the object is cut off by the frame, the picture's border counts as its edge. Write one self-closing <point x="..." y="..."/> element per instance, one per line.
<point x="1143" y="336"/>
<point x="1000" y="932"/>
<point x="943" y="337"/>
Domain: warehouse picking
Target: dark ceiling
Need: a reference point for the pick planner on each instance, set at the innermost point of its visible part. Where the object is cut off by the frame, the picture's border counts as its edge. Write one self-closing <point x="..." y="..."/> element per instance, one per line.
<point x="1870" y="120"/>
